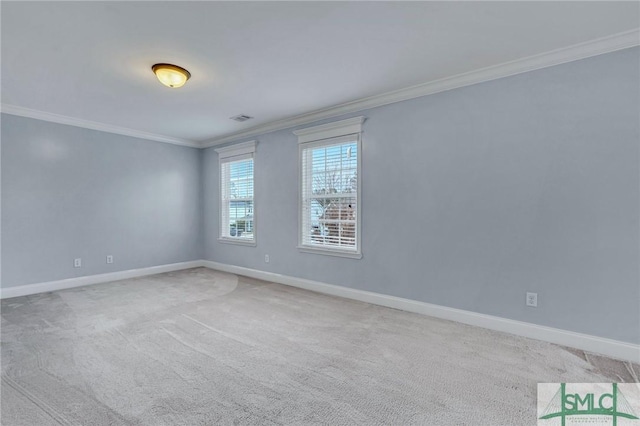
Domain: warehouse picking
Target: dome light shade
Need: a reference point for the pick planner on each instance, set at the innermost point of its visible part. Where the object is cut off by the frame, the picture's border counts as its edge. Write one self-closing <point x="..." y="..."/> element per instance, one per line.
<point x="171" y="75"/>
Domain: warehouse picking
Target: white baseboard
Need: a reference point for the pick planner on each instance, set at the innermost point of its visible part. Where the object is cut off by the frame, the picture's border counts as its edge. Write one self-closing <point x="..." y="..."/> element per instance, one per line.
<point x="612" y="348"/>
<point x="25" y="290"/>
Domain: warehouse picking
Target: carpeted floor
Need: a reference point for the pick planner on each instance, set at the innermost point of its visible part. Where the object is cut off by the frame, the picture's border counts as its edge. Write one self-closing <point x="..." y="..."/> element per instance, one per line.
<point x="200" y="347"/>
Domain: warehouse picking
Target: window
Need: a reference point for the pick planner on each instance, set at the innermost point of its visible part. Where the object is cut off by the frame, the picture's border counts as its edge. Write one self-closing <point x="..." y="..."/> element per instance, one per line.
<point x="237" y="207"/>
<point x="330" y="188"/>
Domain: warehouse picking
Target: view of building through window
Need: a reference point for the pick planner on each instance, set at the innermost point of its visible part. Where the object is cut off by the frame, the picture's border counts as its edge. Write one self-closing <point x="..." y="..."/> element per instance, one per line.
<point x="238" y="209"/>
<point x="330" y="195"/>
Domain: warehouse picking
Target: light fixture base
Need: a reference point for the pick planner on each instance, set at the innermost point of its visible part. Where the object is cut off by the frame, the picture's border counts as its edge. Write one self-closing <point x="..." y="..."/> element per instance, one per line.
<point x="171" y="75"/>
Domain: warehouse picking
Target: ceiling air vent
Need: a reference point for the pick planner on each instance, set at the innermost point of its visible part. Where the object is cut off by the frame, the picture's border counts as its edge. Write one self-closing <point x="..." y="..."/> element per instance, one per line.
<point x="242" y="117"/>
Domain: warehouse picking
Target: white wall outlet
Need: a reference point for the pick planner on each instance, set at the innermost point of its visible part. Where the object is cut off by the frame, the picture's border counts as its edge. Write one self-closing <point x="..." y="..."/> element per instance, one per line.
<point x="77" y="263"/>
<point x="109" y="259"/>
<point x="532" y="299"/>
<point x="266" y="258"/>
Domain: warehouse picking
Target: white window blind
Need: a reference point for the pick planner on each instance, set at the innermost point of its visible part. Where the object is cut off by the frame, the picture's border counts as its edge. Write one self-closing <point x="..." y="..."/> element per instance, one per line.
<point x="330" y="179"/>
<point x="237" y="207"/>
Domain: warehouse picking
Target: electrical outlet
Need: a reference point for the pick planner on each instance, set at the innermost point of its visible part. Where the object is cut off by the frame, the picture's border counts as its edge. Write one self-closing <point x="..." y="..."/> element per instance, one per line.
<point x="266" y="258"/>
<point x="109" y="259"/>
<point x="77" y="263"/>
<point x="532" y="299"/>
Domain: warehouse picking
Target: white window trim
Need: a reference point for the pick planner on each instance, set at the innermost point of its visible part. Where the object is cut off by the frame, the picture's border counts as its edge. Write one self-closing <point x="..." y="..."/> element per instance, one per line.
<point x="237" y="149"/>
<point x="330" y="130"/>
<point x="314" y="136"/>
<point x="224" y="153"/>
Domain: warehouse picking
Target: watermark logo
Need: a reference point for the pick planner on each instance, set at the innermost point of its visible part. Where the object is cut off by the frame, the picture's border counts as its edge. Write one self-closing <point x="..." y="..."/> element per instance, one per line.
<point x="562" y="404"/>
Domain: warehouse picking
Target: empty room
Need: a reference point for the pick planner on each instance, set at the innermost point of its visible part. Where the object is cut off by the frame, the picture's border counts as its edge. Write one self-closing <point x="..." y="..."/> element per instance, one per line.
<point x="320" y="213"/>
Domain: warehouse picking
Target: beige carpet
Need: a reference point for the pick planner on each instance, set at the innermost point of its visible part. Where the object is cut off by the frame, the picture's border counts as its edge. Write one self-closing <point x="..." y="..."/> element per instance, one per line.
<point x="200" y="347"/>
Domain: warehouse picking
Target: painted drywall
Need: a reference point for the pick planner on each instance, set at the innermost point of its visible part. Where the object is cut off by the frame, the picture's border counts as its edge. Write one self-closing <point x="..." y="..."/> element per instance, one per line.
<point x="69" y="193"/>
<point x="472" y="197"/>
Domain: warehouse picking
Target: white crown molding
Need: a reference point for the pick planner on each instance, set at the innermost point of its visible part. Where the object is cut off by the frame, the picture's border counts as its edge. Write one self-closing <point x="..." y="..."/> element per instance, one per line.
<point x="28" y="289"/>
<point x="612" y="348"/>
<point x="576" y="52"/>
<point x="93" y="125"/>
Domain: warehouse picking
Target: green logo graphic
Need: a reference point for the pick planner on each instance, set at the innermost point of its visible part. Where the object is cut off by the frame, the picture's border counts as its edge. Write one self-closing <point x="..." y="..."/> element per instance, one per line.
<point x="612" y="404"/>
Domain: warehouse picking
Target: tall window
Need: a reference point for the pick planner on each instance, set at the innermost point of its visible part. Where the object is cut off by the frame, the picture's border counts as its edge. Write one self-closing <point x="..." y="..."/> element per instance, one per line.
<point x="237" y="206"/>
<point x="330" y="195"/>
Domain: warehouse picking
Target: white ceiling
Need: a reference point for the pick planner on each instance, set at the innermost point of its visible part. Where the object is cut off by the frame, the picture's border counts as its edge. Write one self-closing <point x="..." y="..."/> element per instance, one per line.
<point x="270" y="60"/>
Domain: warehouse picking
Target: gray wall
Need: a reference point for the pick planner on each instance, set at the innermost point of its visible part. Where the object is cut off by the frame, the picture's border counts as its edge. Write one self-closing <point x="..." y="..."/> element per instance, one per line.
<point x="69" y="192"/>
<point x="527" y="183"/>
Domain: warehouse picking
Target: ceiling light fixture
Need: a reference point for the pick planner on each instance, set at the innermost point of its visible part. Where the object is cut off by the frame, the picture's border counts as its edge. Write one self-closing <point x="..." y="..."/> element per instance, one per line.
<point x="171" y="75"/>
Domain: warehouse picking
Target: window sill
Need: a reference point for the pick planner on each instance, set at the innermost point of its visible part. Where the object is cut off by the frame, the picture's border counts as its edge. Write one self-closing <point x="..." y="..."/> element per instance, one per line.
<point x="250" y="243"/>
<point x="330" y="252"/>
